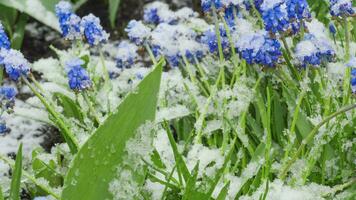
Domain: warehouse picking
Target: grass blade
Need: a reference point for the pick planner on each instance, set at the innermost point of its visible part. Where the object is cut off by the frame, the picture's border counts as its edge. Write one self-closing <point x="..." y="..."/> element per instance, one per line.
<point x="16" y="176"/>
<point x="1" y="194"/>
<point x="89" y="178"/>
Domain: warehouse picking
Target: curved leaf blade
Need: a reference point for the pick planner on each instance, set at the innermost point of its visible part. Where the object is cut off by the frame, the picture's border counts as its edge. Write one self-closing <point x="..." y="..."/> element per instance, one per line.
<point x="95" y="164"/>
<point x="16" y="176"/>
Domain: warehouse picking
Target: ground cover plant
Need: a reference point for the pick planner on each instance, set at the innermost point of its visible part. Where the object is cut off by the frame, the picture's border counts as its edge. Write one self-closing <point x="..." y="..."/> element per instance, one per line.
<point x="245" y="100"/>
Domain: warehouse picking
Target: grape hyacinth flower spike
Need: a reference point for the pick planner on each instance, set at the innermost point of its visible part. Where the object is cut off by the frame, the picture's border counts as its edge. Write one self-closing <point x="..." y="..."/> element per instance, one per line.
<point x="78" y="77"/>
<point x="137" y="32"/>
<point x="68" y="21"/>
<point x="7" y="98"/>
<point x="275" y="16"/>
<point x="93" y="31"/>
<point x="341" y="8"/>
<point x="15" y="64"/>
<point x="4" y="40"/>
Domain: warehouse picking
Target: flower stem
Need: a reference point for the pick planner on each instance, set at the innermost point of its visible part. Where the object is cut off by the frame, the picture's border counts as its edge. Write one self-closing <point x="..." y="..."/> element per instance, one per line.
<point x="347" y="39"/>
<point x="91" y="108"/>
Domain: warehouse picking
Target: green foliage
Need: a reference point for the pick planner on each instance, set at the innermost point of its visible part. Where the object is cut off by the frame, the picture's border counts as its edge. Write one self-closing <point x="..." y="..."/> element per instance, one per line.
<point x="113" y="8"/>
<point x="16" y="176"/>
<point x="43" y="11"/>
<point x="94" y="166"/>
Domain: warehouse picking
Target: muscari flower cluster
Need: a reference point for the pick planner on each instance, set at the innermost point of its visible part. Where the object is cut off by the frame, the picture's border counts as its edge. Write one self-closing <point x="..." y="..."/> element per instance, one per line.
<point x="7" y="99"/>
<point x="79" y="79"/>
<point x="73" y="27"/>
<point x="314" y="51"/>
<point x="169" y="38"/>
<point x="341" y="8"/>
<point x="259" y="48"/>
<point x="280" y="16"/>
<point x="4" y="40"/>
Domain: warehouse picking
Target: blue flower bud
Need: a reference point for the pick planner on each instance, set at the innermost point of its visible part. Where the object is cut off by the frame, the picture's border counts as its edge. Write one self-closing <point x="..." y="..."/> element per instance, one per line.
<point x="93" y="31"/>
<point x="79" y="79"/>
<point x="4" y="40"/>
<point x="15" y="63"/>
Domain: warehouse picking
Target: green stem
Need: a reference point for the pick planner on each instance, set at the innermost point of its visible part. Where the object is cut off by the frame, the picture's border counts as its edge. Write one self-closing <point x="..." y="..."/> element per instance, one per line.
<point x="310" y="137"/>
<point x="91" y="108"/>
<point x="217" y="32"/>
<point x="66" y="133"/>
<point x="347" y="39"/>
<point x="108" y="84"/>
<point x="152" y="56"/>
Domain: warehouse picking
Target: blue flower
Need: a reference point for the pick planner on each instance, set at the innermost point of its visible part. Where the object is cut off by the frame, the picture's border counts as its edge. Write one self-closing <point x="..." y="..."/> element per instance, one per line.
<point x="275" y="16"/>
<point x="79" y="79"/>
<point x="209" y="38"/>
<point x="314" y="51"/>
<point x="298" y="9"/>
<point x="353" y="80"/>
<point x="15" y="63"/>
<point x="4" y="40"/>
<point x="332" y="28"/>
<point x="206" y="5"/>
<point x="126" y="55"/>
<point x="3" y="128"/>
<point x="93" y="31"/>
<point x="158" y="12"/>
<point x="341" y="8"/>
<point x="7" y="97"/>
<point x="137" y="32"/>
<point x="258" y="48"/>
<point x="68" y="21"/>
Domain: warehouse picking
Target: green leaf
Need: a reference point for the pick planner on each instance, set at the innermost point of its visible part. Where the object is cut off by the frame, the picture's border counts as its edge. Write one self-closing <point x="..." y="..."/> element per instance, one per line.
<point x="113" y="8"/>
<point x="88" y="177"/>
<point x="1" y="194"/>
<point x="19" y="33"/>
<point x="224" y="191"/>
<point x="41" y="10"/>
<point x="8" y="17"/>
<point x="16" y="176"/>
<point x="70" y="108"/>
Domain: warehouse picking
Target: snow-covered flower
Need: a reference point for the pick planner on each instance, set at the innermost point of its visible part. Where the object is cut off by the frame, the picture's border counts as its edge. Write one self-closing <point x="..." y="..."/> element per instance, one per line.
<point x="275" y="16"/>
<point x="314" y="51"/>
<point x="79" y="79"/>
<point x="68" y="21"/>
<point x="258" y="48"/>
<point x="137" y="31"/>
<point x="4" y="40"/>
<point x="7" y="97"/>
<point x="341" y="8"/>
<point x="211" y="41"/>
<point x="158" y="12"/>
<point x="15" y="63"/>
<point x="207" y="5"/>
<point x="168" y="40"/>
<point x="298" y="9"/>
<point x="3" y="128"/>
<point x="93" y="31"/>
<point x="126" y="55"/>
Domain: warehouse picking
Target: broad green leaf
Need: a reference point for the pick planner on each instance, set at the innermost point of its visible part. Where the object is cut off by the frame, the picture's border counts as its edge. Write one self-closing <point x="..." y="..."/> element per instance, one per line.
<point x="113" y="8"/>
<point x="41" y="10"/>
<point x="16" y="176"/>
<point x="94" y="166"/>
<point x="70" y="108"/>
